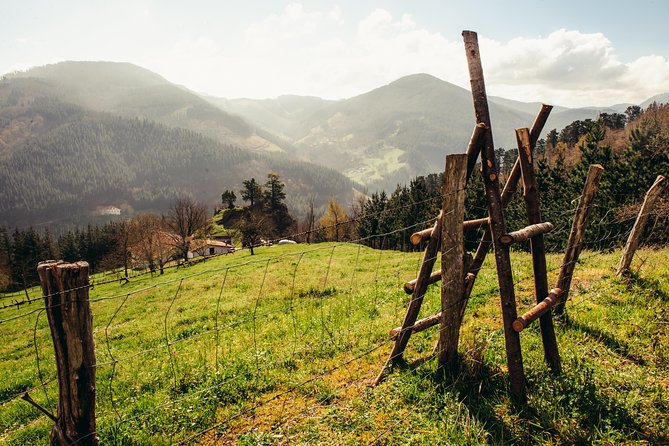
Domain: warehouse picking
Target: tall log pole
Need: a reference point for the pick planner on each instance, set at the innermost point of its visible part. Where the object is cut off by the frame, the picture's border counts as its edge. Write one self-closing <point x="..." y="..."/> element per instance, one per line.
<point x="452" y="259"/>
<point x="658" y="187"/>
<point x="532" y="204"/>
<point x="577" y="234"/>
<point x="497" y="225"/>
<point x="65" y="289"/>
<point x="508" y="191"/>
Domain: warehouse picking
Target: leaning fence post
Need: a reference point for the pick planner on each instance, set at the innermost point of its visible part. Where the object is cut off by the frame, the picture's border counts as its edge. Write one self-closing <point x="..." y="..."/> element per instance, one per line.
<point x="452" y="259"/>
<point x="632" y="244"/>
<point x="65" y="289"/>
<point x="577" y="234"/>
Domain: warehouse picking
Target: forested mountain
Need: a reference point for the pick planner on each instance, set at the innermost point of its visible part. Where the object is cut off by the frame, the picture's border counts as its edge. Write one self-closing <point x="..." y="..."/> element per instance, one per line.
<point x="134" y="92"/>
<point x="396" y="131"/>
<point x="281" y="116"/>
<point x="59" y="162"/>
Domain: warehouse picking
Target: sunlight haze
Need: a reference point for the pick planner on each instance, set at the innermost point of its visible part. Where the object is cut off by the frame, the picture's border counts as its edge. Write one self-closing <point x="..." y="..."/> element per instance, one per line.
<point x="568" y="53"/>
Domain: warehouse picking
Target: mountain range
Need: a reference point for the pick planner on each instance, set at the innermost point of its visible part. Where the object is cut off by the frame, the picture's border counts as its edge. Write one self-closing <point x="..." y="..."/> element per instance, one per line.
<point x="75" y="136"/>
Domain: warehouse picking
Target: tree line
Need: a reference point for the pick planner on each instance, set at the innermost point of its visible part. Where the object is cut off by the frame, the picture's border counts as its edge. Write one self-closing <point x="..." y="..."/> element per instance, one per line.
<point x="562" y="166"/>
<point x="381" y="220"/>
<point x="146" y="241"/>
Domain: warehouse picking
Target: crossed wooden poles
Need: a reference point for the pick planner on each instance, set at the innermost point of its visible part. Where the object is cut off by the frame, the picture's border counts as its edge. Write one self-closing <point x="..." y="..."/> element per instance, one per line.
<point x="459" y="271"/>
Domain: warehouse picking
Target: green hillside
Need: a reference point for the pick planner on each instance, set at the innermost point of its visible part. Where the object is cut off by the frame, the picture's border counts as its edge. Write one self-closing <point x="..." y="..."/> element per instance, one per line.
<point x="134" y="92"/>
<point x="59" y="162"/>
<point x="280" y="348"/>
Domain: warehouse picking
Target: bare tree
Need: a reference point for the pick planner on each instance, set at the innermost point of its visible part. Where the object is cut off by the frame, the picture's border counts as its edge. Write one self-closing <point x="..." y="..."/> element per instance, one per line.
<point x="310" y="219"/>
<point x="184" y="218"/>
<point x="149" y="241"/>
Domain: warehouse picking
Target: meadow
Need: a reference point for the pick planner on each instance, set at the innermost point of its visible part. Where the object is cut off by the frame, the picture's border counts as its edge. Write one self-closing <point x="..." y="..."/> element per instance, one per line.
<point x="281" y="348"/>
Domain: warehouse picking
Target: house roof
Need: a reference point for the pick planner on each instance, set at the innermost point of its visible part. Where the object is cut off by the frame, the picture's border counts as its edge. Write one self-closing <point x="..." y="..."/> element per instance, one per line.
<point x="200" y="243"/>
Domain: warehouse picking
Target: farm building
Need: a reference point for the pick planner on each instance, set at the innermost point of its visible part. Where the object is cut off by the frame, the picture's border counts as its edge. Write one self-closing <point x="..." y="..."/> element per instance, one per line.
<point x="208" y="247"/>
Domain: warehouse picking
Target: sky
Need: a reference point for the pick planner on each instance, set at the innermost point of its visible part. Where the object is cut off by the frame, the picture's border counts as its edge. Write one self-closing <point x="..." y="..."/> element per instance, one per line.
<point x="568" y="52"/>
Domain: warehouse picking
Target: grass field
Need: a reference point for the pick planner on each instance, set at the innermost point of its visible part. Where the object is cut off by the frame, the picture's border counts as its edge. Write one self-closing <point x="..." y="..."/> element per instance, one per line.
<point x="280" y="348"/>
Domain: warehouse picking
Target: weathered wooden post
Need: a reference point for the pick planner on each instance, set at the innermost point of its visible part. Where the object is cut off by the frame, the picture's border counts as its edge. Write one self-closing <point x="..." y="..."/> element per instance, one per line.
<point x="497" y="224"/>
<point x="452" y="259"/>
<point x="658" y="187"/>
<point x="532" y="205"/>
<point x="65" y="289"/>
<point x="577" y="234"/>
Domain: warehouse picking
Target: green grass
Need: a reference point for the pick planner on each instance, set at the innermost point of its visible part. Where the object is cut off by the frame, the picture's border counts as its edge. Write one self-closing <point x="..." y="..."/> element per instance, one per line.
<point x="280" y="348"/>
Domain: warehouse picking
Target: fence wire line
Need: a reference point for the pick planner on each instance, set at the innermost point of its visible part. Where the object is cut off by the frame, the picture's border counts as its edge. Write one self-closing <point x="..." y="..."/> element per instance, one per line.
<point x="254" y="318"/>
<point x="360" y="240"/>
<point x="271" y="241"/>
<point x="168" y="343"/>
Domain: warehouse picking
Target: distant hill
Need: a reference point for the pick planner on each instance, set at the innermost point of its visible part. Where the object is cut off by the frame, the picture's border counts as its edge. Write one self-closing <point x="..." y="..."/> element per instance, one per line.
<point x="59" y="162"/>
<point x="662" y="98"/>
<point x="281" y="116"/>
<point x="397" y="131"/>
<point x="394" y="132"/>
<point x="134" y="92"/>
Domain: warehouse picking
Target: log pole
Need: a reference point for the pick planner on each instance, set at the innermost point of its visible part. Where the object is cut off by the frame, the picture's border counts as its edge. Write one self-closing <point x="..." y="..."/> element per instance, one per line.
<point x="658" y="187"/>
<point x="537" y="311"/>
<point x="452" y="260"/>
<point x="429" y="258"/>
<point x="527" y="233"/>
<point x="533" y="207"/>
<point x="497" y="225"/>
<point x="65" y="290"/>
<point x="577" y="234"/>
<point x="418" y="237"/>
<point x="509" y="190"/>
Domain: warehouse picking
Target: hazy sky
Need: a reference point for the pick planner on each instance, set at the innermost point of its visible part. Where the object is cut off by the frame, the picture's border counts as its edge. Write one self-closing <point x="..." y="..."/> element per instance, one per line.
<point x="567" y="52"/>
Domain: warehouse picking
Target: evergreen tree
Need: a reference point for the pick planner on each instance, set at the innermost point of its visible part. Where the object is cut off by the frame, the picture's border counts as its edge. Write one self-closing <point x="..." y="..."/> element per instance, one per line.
<point x="252" y="192"/>
<point x="273" y="199"/>
<point x="228" y="199"/>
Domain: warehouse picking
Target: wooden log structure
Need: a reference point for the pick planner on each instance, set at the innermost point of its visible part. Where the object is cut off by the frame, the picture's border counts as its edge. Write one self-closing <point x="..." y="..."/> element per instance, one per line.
<point x="658" y="187"/>
<point x="577" y="234"/>
<point x="526" y="233"/>
<point x="429" y="258"/>
<point x="509" y="190"/>
<point x="474" y="147"/>
<point x="418" y="237"/>
<point x="433" y="320"/>
<point x="452" y="260"/>
<point x="65" y="290"/>
<point x="537" y="311"/>
<point x="420" y="325"/>
<point x="532" y="205"/>
<point x="497" y="224"/>
<point x="435" y="277"/>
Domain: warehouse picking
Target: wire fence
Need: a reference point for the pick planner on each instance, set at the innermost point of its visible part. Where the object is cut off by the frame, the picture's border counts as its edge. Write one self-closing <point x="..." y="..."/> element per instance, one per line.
<point x="243" y="344"/>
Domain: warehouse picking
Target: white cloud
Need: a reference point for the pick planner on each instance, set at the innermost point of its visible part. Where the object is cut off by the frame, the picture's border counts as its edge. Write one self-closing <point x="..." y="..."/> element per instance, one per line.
<point x="571" y="68"/>
<point x="320" y="52"/>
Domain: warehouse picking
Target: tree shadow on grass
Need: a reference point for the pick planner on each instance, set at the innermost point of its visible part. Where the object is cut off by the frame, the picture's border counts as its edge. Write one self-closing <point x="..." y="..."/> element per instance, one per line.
<point x="565" y="409"/>
<point x="620" y="348"/>
<point x="652" y="287"/>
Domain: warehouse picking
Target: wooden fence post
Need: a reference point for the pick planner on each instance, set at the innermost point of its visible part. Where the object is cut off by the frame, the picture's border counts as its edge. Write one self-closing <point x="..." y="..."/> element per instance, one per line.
<point x="452" y="259"/>
<point x="65" y="289"/>
<point x="658" y="187"/>
<point x="497" y="226"/>
<point x="577" y="234"/>
<point x="532" y="205"/>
